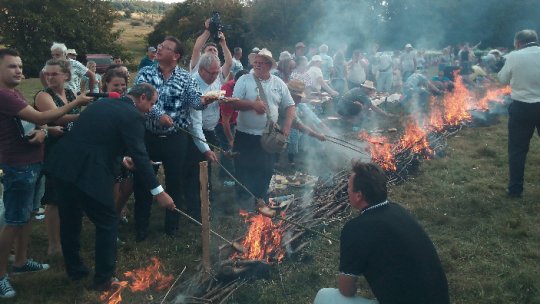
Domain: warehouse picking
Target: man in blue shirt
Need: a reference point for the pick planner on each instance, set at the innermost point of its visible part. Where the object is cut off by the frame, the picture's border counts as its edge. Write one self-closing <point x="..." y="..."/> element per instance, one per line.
<point x="178" y="94"/>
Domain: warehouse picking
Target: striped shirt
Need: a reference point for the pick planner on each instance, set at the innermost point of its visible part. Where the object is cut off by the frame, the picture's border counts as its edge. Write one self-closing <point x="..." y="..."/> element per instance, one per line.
<point x="177" y="95"/>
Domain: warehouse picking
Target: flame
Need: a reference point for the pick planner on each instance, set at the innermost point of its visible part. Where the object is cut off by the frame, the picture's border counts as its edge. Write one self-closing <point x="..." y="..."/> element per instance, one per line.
<point x="114" y="295"/>
<point x="456" y="103"/>
<point x="263" y="239"/>
<point x="381" y="151"/>
<point x="435" y="121"/>
<point x="493" y="95"/>
<point x="415" y="139"/>
<point x="141" y="279"/>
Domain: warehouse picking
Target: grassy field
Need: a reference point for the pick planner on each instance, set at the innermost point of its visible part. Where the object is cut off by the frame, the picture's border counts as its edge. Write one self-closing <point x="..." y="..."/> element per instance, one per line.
<point x="133" y="38"/>
<point x="489" y="244"/>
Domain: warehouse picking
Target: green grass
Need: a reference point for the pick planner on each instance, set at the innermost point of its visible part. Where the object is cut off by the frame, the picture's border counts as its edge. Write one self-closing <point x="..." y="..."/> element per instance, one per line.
<point x="489" y="244"/>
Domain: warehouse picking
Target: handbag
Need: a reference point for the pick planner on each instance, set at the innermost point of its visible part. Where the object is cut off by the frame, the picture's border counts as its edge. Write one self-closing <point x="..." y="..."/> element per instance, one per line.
<point x="272" y="140"/>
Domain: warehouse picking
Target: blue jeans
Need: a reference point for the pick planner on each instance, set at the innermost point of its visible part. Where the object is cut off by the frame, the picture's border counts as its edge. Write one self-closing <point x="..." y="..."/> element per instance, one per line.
<point x="21" y="192"/>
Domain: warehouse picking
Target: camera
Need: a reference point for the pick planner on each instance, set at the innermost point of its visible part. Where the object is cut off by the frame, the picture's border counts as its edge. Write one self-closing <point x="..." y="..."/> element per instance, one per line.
<point x="216" y="27"/>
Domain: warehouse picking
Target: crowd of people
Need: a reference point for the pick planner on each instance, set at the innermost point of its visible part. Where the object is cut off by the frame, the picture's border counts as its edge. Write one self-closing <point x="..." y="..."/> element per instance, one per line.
<point x="90" y="161"/>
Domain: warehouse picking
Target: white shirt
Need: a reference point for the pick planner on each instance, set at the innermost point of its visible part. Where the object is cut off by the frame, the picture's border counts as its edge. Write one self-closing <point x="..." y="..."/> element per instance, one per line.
<point x="278" y="96"/>
<point x="206" y="119"/>
<point x="78" y="70"/>
<point x="522" y="71"/>
<point x="357" y="74"/>
<point x="315" y="73"/>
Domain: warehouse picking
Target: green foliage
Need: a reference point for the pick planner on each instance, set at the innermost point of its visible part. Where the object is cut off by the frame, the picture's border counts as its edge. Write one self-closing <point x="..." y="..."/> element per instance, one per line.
<point x="31" y="26"/>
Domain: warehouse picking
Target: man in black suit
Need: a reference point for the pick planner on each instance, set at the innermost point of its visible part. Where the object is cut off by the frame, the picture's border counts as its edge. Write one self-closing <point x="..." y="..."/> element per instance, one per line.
<point x="82" y="164"/>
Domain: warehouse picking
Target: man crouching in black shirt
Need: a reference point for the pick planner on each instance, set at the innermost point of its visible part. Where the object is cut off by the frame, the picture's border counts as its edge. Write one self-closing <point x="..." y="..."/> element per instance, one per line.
<point x="387" y="246"/>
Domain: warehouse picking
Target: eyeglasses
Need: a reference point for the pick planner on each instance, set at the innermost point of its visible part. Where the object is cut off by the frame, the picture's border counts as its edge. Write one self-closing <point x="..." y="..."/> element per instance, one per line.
<point x="53" y="74"/>
<point x="168" y="48"/>
<point x="260" y="62"/>
<point x="210" y="73"/>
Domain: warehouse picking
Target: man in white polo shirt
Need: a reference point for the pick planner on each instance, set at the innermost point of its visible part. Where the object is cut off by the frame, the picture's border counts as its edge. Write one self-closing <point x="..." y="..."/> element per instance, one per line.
<point x="254" y="165"/>
<point x="522" y="71"/>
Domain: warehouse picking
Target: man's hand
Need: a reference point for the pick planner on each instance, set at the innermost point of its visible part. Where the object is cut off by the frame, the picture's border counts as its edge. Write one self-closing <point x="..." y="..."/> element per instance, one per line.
<point x="210" y="156"/>
<point x="165" y="201"/>
<point x="319" y="136"/>
<point x="166" y="121"/>
<point x="128" y="163"/>
<point x="56" y="131"/>
<point x="206" y="100"/>
<point x="36" y="137"/>
<point x="83" y="100"/>
<point x="207" y="24"/>
<point x="259" y="107"/>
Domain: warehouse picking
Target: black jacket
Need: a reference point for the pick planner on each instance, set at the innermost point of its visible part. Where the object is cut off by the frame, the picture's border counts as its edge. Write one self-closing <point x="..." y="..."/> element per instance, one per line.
<point x="87" y="155"/>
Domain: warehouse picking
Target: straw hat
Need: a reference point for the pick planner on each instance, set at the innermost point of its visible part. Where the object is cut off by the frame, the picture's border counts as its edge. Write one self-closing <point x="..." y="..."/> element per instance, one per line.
<point x="316" y="58"/>
<point x="268" y="55"/>
<point x="368" y="84"/>
<point x="297" y="87"/>
<point x="408" y="46"/>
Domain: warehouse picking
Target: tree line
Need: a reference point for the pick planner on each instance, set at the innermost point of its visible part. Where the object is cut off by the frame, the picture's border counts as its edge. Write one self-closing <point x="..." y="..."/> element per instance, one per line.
<point x="87" y="25"/>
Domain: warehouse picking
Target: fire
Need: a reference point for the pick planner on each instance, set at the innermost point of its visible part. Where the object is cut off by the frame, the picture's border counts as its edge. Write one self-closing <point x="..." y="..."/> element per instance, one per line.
<point x="381" y="151"/>
<point x="141" y="279"/>
<point x="415" y="139"/>
<point x="114" y="295"/>
<point x="263" y="239"/>
<point x="493" y="95"/>
<point x="456" y="104"/>
<point x="435" y="120"/>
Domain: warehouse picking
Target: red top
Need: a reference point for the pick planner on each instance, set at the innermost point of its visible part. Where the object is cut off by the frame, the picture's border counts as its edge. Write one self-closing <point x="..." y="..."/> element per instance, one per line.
<point x="15" y="151"/>
<point x="226" y="108"/>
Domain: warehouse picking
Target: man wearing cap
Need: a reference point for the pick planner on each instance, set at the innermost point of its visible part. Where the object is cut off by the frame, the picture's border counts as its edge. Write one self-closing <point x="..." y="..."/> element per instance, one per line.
<point x="72" y="54"/>
<point x="304" y="116"/>
<point x="357" y="99"/>
<point x="299" y="50"/>
<point x="316" y="75"/>
<point x="254" y="166"/>
<point x="522" y="72"/>
<point x="149" y="58"/>
<point x="408" y="62"/>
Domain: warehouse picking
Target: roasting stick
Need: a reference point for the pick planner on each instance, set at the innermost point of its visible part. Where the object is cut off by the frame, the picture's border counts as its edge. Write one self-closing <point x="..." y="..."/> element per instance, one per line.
<point x="345" y="144"/>
<point x="235" y="245"/>
<point x="263" y="209"/>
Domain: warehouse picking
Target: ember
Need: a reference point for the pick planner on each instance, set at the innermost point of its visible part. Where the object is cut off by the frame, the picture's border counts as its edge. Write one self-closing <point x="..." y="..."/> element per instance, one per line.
<point x="263" y="239"/>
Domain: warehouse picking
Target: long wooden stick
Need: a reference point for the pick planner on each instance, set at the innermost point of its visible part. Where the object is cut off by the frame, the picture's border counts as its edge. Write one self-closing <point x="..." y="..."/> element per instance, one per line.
<point x="205" y="218"/>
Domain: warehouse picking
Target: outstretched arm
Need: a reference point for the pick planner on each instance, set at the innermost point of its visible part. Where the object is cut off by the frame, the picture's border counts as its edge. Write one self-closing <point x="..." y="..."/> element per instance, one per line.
<point x="199" y="43"/>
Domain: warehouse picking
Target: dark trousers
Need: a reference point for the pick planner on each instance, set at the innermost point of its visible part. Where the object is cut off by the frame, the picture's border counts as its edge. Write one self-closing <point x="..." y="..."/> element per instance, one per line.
<point x="522" y="120"/>
<point x="192" y="176"/>
<point x="254" y="166"/>
<point x="172" y="151"/>
<point x="72" y="204"/>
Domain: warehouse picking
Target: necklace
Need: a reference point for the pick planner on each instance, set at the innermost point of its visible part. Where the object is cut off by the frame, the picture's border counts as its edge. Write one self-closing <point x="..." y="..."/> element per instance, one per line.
<point x="375" y="206"/>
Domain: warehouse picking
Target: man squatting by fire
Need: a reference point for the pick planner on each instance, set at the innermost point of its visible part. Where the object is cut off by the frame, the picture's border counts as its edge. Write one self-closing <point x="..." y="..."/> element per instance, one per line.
<point x="386" y="245"/>
<point x="522" y="71"/>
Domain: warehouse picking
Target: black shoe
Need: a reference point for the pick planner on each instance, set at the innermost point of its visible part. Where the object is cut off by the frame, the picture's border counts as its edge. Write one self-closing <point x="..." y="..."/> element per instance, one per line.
<point x="140" y="235"/>
<point x="513" y="194"/>
<point x="105" y="286"/>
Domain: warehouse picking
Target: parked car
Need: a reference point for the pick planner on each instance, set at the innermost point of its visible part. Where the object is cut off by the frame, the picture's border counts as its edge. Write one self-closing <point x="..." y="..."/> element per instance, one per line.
<point x="103" y="61"/>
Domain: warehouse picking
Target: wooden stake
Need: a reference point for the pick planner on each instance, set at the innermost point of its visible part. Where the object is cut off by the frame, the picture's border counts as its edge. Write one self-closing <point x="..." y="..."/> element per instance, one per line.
<point x="205" y="218"/>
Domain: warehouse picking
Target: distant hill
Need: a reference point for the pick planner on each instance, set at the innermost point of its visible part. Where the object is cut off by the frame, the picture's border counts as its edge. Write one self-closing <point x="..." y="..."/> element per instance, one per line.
<point x="145" y="7"/>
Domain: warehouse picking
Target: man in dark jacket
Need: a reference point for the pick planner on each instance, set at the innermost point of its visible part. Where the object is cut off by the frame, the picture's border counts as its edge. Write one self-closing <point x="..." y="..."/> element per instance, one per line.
<point x="83" y="162"/>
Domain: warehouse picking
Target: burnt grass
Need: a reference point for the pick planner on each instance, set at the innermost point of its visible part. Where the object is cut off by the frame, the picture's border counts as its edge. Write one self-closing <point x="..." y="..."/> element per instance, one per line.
<point x="489" y="244"/>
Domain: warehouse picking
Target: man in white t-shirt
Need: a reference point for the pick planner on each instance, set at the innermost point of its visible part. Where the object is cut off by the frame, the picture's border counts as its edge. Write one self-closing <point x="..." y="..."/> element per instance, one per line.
<point x="316" y="75"/>
<point x="254" y="165"/>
